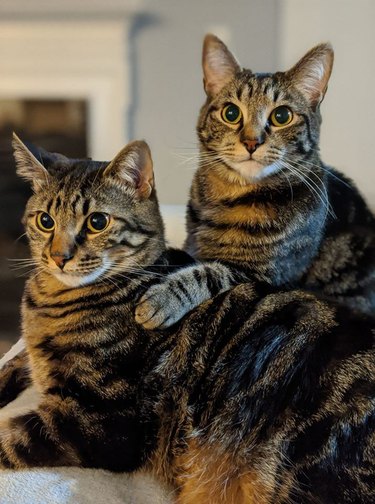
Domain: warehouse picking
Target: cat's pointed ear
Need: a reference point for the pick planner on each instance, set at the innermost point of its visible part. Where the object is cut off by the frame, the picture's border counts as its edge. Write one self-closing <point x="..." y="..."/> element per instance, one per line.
<point x="219" y="65"/>
<point x="133" y="167"/>
<point x="28" y="166"/>
<point x="48" y="159"/>
<point x="311" y="74"/>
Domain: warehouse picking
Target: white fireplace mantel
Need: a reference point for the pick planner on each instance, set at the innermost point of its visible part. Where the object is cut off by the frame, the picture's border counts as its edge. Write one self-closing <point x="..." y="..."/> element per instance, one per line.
<point x="71" y="49"/>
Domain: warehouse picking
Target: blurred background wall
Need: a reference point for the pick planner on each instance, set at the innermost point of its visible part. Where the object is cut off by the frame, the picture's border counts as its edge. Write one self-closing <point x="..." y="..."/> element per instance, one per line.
<point x="170" y="90"/>
<point x="85" y="76"/>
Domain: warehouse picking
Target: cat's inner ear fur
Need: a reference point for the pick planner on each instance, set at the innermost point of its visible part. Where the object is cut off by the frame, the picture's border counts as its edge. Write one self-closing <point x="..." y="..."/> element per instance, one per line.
<point x="28" y="166"/>
<point x="219" y="65"/>
<point x="311" y="74"/>
<point x="133" y="167"/>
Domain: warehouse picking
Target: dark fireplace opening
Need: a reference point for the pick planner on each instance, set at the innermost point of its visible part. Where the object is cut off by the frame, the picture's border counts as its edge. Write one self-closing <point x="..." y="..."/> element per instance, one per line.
<point x="58" y="125"/>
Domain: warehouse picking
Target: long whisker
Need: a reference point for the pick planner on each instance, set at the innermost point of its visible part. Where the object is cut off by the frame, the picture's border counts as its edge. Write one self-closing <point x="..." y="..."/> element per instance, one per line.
<point x="319" y="192"/>
<point x="129" y="267"/>
<point x="119" y="268"/>
<point x="322" y="189"/>
<point x="37" y="269"/>
<point x="288" y="180"/>
<point x="40" y="270"/>
<point x="307" y="181"/>
<point x="28" y="259"/>
<point x="327" y="171"/>
<point x="24" y="264"/>
<point x="19" y="238"/>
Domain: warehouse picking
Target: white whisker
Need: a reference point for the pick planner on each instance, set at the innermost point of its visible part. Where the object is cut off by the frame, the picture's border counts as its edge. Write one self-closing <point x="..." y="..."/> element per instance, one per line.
<point x="319" y="192"/>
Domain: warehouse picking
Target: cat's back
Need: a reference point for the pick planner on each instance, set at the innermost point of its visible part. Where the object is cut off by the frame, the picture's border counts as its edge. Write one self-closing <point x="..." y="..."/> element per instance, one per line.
<point x="292" y="381"/>
<point x="344" y="267"/>
<point x="349" y="207"/>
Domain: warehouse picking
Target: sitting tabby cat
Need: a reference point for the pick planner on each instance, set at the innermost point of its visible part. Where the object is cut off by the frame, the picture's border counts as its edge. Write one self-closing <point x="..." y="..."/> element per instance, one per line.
<point x="262" y="202"/>
<point x="251" y="399"/>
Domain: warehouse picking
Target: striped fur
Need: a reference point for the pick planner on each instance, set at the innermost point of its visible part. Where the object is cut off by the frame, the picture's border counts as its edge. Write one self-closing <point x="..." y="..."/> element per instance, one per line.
<point x="253" y="399"/>
<point x="277" y="215"/>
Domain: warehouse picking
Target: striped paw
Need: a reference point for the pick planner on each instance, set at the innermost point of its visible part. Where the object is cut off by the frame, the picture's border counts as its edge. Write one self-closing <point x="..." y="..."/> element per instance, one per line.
<point x="159" y="308"/>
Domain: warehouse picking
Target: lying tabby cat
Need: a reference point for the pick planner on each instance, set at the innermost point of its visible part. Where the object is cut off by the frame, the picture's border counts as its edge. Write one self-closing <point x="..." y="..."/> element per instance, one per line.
<point x="251" y="399"/>
<point x="262" y="201"/>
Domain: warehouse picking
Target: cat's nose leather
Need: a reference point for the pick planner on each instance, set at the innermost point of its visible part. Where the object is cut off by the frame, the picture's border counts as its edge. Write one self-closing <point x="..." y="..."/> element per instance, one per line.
<point x="61" y="259"/>
<point x="252" y="144"/>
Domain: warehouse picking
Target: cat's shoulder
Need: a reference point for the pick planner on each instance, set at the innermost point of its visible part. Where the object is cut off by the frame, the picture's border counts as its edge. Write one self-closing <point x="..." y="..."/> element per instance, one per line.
<point x="346" y="200"/>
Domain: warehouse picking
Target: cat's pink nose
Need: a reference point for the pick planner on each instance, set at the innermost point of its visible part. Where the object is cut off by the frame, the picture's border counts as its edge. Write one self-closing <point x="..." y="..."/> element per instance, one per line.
<point x="252" y="144"/>
<point x="61" y="259"/>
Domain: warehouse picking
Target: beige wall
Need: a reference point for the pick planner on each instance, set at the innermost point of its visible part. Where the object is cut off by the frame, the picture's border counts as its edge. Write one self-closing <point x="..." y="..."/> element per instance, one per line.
<point x="169" y="91"/>
<point x="349" y="108"/>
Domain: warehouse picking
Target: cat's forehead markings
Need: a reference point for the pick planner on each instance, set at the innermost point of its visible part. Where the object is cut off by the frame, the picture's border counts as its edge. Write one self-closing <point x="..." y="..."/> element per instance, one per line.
<point x="263" y="76"/>
<point x="58" y="202"/>
<point x="240" y="92"/>
<point x="86" y="206"/>
<point x="252" y="86"/>
<point x="49" y="205"/>
<point x="75" y="202"/>
<point x="262" y="85"/>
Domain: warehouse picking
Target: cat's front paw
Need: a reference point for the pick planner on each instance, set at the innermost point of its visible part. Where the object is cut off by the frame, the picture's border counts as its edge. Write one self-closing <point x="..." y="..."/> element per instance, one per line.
<point x="159" y="308"/>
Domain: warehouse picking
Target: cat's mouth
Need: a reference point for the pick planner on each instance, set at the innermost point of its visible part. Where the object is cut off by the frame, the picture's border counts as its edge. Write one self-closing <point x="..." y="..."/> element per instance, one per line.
<point x="75" y="278"/>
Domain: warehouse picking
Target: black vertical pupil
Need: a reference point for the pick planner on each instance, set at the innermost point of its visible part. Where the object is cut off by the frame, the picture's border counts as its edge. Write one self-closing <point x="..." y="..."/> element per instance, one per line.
<point x="98" y="221"/>
<point x="46" y="221"/>
<point x="282" y="115"/>
<point x="232" y="112"/>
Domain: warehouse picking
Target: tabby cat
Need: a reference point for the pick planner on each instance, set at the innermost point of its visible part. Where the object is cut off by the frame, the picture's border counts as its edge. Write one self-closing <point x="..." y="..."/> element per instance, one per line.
<point x="262" y="202"/>
<point x="251" y="399"/>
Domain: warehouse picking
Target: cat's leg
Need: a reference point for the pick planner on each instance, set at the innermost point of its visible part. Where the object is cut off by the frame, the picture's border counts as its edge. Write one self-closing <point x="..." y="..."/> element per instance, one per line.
<point x="64" y="431"/>
<point x="166" y="303"/>
<point x="14" y="378"/>
<point x="36" y="439"/>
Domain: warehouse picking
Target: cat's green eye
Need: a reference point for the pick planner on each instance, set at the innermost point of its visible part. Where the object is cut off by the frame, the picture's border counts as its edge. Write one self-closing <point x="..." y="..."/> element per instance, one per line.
<point x="97" y="222"/>
<point x="231" y="114"/>
<point x="281" y="116"/>
<point x="45" y="222"/>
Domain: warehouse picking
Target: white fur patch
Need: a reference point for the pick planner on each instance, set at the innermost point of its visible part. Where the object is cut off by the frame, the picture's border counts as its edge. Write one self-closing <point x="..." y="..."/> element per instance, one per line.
<point x="253" y="171"/>
<point x="74" y="280"/>
<point x="130" y="170"/>
<point x="312" y="80"/>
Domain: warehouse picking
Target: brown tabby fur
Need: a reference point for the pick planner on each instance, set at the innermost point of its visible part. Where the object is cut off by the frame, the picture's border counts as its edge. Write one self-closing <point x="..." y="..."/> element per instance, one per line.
<point x="262" y="202"/>
<point x="299" y="223"/>
<point x="255" y="397"/>
<point x="231" y="405"/>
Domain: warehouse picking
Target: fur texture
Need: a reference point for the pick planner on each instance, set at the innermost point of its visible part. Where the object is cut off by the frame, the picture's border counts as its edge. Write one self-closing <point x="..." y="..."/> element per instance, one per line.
<point x="253" y="398"/>
<point x="262" y="201"/>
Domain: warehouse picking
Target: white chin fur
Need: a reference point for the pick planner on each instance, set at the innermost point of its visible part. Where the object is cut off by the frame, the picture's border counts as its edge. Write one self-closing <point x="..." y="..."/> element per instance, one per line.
<point x="252" y="170"/>
<point x="77" y="281"/>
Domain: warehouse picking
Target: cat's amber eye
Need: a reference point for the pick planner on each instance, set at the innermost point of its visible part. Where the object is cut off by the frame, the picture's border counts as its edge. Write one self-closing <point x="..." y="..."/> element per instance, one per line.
<point x="45" y="222"/>
<point x="231" y="114"/>
<point x="281" y="116"/>
<point x="97" y="222"/>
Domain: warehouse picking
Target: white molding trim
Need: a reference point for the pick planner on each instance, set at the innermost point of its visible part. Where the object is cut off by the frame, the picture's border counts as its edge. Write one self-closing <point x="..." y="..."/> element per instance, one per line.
<point x="101" y="143"/>
<point x="83" y="59"/>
